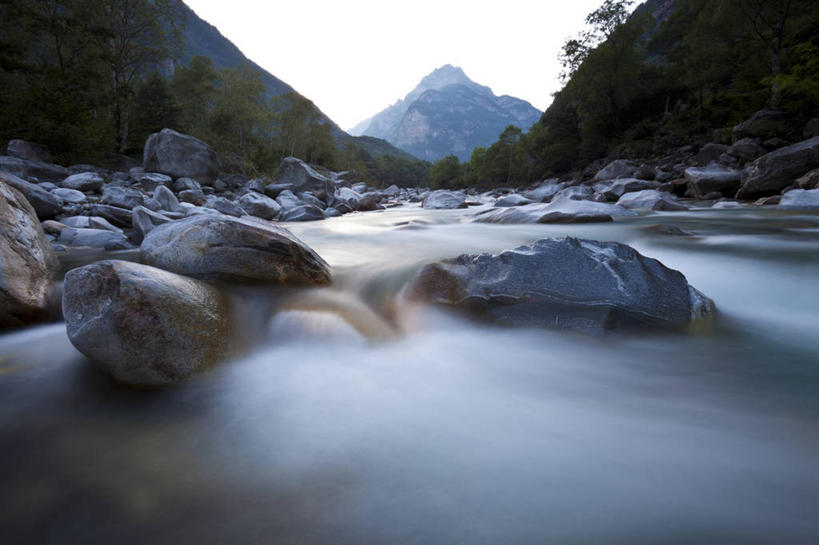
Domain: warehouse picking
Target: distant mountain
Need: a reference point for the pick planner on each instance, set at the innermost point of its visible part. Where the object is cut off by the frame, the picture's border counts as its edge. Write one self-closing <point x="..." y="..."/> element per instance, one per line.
<point x="447" y="114"/>
<point x="202" y="38"/>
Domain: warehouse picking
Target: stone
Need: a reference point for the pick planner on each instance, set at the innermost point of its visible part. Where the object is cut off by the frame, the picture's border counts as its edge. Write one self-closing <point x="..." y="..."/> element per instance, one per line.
<point x="85" y="181"/>
<point x="224" y="206"/>
<point x="776" y="170"/>
<point x="192" y="196"/>
<point x="811" y="128"/>
<point x="29" y="151"/>
<point x="27" y="262"/>
<point x="618" y="168"/>
<point x="800" y="199"/>
<point x="309" y="198"/>
<point x="347" y="196"/>
<point x="765" y="201"/>
<point x="287" y="199"/>
<point x="558" y="211"/>
<point x="184" y="184"/>
<point x="709" y="153"/>
<point x="393" y="191"/>
<point x="766" y="123"/>
<point x="145" y="326"/>
<point x="304" y="212"/>
<point x="712" y="178"/>
<point x="747" y="149"/>
<point x="650" y="199"/>
<point x="94" y="238"/>
<point x="149" y="181"/>
<point x="809" y="180"/>
<point x="369" y="201"/>
<point x="546" y="190"/>
<point x="614" y="189"/>
<point x="227" y="249"/>
<point x="180" y="156"/>
<point x="273" y="190"/>
<point x="442" y="199"/>
<point x="259" y="205"/>
<point x="166" y="199"/>
<point x="726" y="205"/>
<point x="33" y="170"/>
<point x="114" y="214"/>
<point x="575" y="284"/>
<point x="575" y="192"/>
<point x="45" y="204"/>
<point x="122" y="197"/>
<point x="145" y="221"/>
<point x="89" y="222"/>
<point x="69" y="196"/>
<point x="512" y="200"/>
<point x="302" y="176"/>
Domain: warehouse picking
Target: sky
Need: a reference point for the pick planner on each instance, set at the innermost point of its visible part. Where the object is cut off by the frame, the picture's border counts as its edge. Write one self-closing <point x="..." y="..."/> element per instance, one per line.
<point x="353" y="58"/>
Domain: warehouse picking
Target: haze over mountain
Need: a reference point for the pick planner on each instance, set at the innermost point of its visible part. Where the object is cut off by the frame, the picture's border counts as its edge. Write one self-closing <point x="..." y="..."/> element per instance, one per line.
<point x="447" y="114"/>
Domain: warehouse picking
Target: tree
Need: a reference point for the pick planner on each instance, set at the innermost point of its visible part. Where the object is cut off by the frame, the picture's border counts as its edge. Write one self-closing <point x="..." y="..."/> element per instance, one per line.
<point x="194" y="89"/>
<point x="602" y="23"/>
<point x="154" y="108"/>
<point x="446" y="173"/>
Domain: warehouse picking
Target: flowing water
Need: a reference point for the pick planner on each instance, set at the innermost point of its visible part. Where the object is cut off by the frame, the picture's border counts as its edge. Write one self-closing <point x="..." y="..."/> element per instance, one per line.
<point x="426" y="428"/>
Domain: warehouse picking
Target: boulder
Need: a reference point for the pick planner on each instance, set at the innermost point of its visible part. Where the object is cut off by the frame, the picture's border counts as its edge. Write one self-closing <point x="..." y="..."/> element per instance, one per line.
<point x="114" y="214"/>
<point x="89" y="222"/>
<point x="287" y="199"/>
<point x="304" y="212"/>
<point x="122" y="197"/>
<point x="149" y="181"/>
<point x="233" y="250"/>
<point x="184" y="184"/>
<point x="393" y="191"/>
<point x="193" y="196"/>
<point x="145" y="221"/>
<point x="166" y="199"/>
<point x="442" y="199"/>
<point x="709" y="153"/>
<point x="714" y="178"/>
<point x="69" y="196"/>
<point x="29" y="151"/>
<point x="259" y="205"/>
<point x="800" y="199"/>
<point x="747" y="149"/>
<point x="273" y="190"/>
<point x="33" y="170"/>
<point x="776" y="170"/>
<point x="180" y="156"/>
<point x="27" y="262"/>
<point x="726" y="205"/>
<point x="369" y="201"/>
<point x="558" y="211"/>
<point x="581" y="285"/>
<point x="302" y="176"/>
<point x="809" y="180"/>
<point x="512" y="200"/>
<point x="614" y="189"/>
<point x="575" y="192"/>
<point x="45" y="204"/>
<point x="85" y="181"/>
<point x="94" y="238"/>
<point x="650" y="199"/>
<point x="764" y="124"/>
<point x="347" y="196"/>
<point x="145" y="326"/>
<point x="308" y="198"/>
<point x="619" y="168"/>
<point x="545" y="191"/>
<point x="224" y="206"/>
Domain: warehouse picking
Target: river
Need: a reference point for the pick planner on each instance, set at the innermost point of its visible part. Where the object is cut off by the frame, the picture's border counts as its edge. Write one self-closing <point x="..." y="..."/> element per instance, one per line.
<point x="452" y="432"/>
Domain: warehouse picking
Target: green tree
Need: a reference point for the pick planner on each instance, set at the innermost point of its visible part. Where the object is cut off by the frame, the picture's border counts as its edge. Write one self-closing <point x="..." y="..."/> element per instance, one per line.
<point x="194" y="89"/>
<point x="446" y="173"/>
<point x="154" y="108"/>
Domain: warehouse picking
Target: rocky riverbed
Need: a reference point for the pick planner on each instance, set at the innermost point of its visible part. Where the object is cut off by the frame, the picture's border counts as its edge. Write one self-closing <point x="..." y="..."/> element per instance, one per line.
<point x="402" y="365"/>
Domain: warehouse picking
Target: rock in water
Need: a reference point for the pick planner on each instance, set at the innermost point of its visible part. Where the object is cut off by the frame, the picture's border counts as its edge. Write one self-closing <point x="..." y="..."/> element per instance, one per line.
<point x="442" y="199"/>
<point x="650" y="199"/>
<point x="180" y="156"/>
<point x="569" y="283"/>
<point x="145" y="326"/>
<point x="714" y="178"/>
<point x="27" y="262"/>
<point x="229" y="249"/>
<point x="797" y="199"/>
<point x="776" y="170"/>
<point x="558" y="211"/>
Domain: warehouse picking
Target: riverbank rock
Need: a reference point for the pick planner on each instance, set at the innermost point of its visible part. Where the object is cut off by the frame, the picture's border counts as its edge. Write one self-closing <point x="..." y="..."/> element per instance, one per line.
<point x="442" y="199"/>
<point x="614" y="189"/>
<point x="29" y="151"/>
<point x="714" y="178"/>
<point x="94" y="238"/>
<point x="180" y="156"/>
<point x="558" y="211"/>
<point x="650" y="199"/>
<point x="546" y="190"/>
<point x="84" y="181"/>
<point x="776" y="170"/>
<point x="804" y="199"/>
<point x="45" y="204"/>
<point x="259" y="205"/>
<point x="27" y="262"/>
<point x="581" y="285"/>
<point x="232" y="249"/>
<point x="145" y="326"/>
<point x="302" y="177"/>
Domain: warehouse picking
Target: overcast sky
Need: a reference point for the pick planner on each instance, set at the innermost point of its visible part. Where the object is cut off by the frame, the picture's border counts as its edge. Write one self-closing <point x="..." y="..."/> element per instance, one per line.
<point x="353" y="58"/>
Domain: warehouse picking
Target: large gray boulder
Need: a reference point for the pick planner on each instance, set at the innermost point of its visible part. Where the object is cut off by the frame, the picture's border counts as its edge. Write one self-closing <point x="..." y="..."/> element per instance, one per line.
<point x="145" y="221"/>
<point x="145" y="326"/>
<point x="94" y="238"/>
<point x="776" y="170"/>
<point x="442" y="199"/>
<point x="231" y="249"/>
<point x="29" y="151"/>
<point x="614" y="189"/>
<point x="575" y="192"/>
<point x="83" y="181"/>
<point x="122" y="197"/>
<point x="45" y="204"/>
<point x="180" y="156"/>
<point x="302" y="176"/>
<point x="714" y="178"/>
<point x="304" y="212"/>
<point x="512" y="199"/>
<point x="650" y="199"/>
<point x="804" y="199"/>
<point x="558" y="211"/>
<point x="546" y="190"/>
<point x="43" y="172"/>
<point x="70" y="196"/>
<point x="259" y="205"/>
<point x="582" y="285"/>
<point x="27" y="262"/>
<point x="766" y="123"/>
<point x="619" y="168"/>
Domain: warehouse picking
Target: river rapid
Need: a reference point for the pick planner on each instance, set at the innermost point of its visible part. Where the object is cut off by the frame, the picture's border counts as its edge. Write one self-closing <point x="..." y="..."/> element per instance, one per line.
<point x="448" y="431"/>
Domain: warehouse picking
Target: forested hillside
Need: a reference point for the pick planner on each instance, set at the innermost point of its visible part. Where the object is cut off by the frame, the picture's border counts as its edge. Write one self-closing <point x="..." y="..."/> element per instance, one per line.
<point x="673" y="73"/>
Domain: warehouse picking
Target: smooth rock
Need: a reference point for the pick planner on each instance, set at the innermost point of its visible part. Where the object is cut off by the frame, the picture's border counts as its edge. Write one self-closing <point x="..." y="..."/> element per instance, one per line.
<point x="581" y="285"/>
<point x="122" y="197"/>
<point x="304" y="212"/>
<point x="145" y="326"/>
<point x="193" y="196"/>
<point x="800" y="199"/>
<point x="149" y="181"/>
<point x="619" y="168"/>
<point x="545" y="191"/>
<point x="70" y="196"/>
<point x="45" y="204"/>
<point x="180" y="156"/>
<point x="259" y="205"/>
<point x="145" y="221"/>
<point x="89" y="222"/>
<point x="43" y="172"/>
<point x="27" y="262"/>
<point x="114" y="214"/>
<point x="287" y="199"/>
<point x="302" y="176"/>
<point x="809" y="180"/>
<point x="776" y="170"/>
<point x="575" y="192"/>
<point x="614" y="189"/>
<point x="714" y="178"/>
<point x="85" y="181"/>
<point x="512" y="200"/>
<point x="183" y="184"/>
<point x="650" y="199"/>
<point x="94" y="238"/>
<point x="442" y="199"/>
<point x="558" y="211"/>
<point x="273" y="190"/>
<point x="233" y="250"/>
<point x="29" y="151"/>
<point x="727" y="205"/>
<point x="224" y="206"/>
<point x="166" y="199"/>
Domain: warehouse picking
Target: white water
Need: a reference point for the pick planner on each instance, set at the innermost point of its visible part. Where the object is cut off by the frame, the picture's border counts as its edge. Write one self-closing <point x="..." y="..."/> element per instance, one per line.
<point x="454" y="432"/>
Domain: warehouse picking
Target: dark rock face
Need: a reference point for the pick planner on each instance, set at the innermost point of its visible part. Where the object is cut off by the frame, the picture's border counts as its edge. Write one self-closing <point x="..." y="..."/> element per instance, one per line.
<point x="776" y="170"/>
<point x="302" y="176"/>
<point x="27" y="262"/>
<point x="119" y="217"/>
<point x="29" y="151"/>
<point x="714" y="178"/>
<point x="764" y="124"/>
<point x="558" y="211"/>
<point x="230" y="249"/>
<point x="145" y="326"/>
<point x="45" y="204"/>
<point x="709" y="153"/>
<point x="180" y="156"/>
<point x="442" y="199"/>
<point x="747" y="149"/>
<point x="582" y="285"/>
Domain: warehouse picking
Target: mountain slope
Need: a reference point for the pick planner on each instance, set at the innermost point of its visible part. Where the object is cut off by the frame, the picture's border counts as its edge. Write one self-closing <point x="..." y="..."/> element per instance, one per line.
<point x="447" y="114"/>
